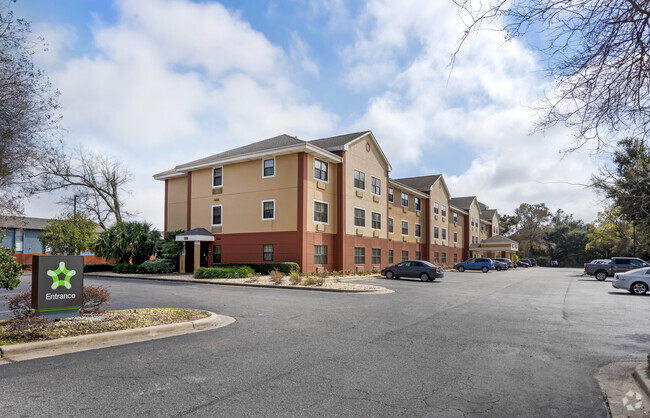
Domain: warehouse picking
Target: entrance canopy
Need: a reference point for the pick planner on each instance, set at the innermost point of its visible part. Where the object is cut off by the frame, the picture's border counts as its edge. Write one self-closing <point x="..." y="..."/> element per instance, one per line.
<point x="196" y="234"/>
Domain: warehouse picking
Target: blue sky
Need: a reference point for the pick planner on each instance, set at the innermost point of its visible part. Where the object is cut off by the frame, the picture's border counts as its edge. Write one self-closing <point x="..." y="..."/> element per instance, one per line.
<point x="157" y="83"/>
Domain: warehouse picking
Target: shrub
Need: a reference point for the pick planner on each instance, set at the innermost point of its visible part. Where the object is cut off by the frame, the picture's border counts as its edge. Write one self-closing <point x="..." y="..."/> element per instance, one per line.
<point x="319" y="281"/>
<point x="26" y="266"/>
<point x="10" y="270"/>
<point x="322" y="274"/>
<point x="543" y="261"/>
<point x="276" y="277"/>
<point x="21" y="304"/>
<point x="127" y="269"/>
<point x="266" y="268"/>
<point x="159" y="266"/>
<point x="94" y="297"/>
<point x="295" y="278"/>
<point x="90" y="268"/>
<point x="222" y="272"/>
<point x="309" y="281"/>
<point x="30" y="328"/>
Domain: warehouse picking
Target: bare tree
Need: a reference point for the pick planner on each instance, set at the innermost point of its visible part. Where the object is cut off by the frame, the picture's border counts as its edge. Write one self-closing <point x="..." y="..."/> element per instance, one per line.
<point x="29" y="110"/>
<point x="596" y="51"/>
<point x="97" y="180"/>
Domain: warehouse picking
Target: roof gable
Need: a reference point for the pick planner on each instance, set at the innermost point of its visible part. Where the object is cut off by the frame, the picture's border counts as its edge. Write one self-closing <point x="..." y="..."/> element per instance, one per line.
<point x="463" y="202"/>
<point x="421" y="183"/>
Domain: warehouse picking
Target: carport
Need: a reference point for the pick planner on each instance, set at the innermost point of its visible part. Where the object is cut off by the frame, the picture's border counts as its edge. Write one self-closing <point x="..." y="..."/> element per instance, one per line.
<point x="196" y="246"/>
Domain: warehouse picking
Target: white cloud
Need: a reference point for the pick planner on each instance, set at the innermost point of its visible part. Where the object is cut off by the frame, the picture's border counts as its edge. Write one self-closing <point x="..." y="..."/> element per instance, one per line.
<point x="402" y="53"/>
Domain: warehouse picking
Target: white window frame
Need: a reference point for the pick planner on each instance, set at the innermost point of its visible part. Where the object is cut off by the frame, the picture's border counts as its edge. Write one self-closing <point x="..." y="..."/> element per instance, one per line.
<point x="443" y="210"/>
<point x="222" y="171"/>
<point x="354" y="180"/>
<point x="212" y="215"/>
<point x="274" y="167"/>
<point x="418" y="204"/>
<point x="354" y="218"/>
<point x="314" y="211"/>
<point x="455" y="217"/>
<point x="436" y="232"/>
<point x="266" y="201"/>
<point x="407" y="199"/>
<point x="456" y="237"/>
<point x="416" y="231"/>
<point x="391" y="195"/>
<point x="372" y="220"/>
<point x="313" y="172"/>
<point x="391" y="230"/>
<point x="436" y="208"/>
<point x="372" y="179"/>
<point x="443" y="234"/>
<point x="402" y="228"/>
<point x="264" y="252"/>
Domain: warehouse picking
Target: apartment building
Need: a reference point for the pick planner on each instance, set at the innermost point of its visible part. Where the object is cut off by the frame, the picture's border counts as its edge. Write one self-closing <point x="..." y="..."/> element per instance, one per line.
<point x="326" y="204"/>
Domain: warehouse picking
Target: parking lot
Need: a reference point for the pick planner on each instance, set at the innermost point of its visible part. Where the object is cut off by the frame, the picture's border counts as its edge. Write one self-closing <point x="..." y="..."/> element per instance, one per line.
<point x="512" y="343"/>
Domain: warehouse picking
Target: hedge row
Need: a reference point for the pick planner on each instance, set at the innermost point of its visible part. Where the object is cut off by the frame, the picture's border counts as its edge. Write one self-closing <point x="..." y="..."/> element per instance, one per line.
<point x="90" y="268"/>
<point x="266" y="268"/>
<point x="223" y="272"/>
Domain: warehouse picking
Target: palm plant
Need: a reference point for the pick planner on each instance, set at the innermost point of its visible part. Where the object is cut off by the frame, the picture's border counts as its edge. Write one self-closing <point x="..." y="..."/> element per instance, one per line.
<point x="128" y="242"/>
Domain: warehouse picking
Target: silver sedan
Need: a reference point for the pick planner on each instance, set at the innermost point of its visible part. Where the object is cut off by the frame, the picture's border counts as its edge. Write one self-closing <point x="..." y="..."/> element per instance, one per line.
<point x="634" y="281"/>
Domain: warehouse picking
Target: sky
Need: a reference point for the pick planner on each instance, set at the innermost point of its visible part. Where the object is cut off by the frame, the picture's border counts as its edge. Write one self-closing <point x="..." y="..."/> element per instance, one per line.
<point x="157" y="83"/>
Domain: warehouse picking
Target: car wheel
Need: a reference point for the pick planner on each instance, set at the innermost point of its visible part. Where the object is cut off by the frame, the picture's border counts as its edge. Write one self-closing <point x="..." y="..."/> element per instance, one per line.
<point x="461" y="269"/>
<point x="390" y="275"/>
<point x="484" y="269"/>
<point x="424" y="277"/>
<point x="601" y="275"/>
<point x="639" y="288"/>
<point x="497" y="268"/>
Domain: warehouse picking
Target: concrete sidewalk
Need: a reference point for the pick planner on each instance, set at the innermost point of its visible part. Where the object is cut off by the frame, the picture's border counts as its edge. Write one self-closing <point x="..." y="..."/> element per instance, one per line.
<point x="626" y="387"/>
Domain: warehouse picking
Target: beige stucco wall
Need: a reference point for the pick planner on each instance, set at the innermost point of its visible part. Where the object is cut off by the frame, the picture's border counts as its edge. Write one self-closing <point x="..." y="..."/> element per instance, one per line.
<point x="371" y="163"/>
<point x="495" y="224"/>
<point x="396" y="211"/>
<point x="244" y="189"/>
<point x="474" y="212"/>
<point x="484" y="233"/>
<point x="177" y="204"/>
<point x="324" y="192"/>
<point x="439" y="194"/>
<point x="457" y="227"/>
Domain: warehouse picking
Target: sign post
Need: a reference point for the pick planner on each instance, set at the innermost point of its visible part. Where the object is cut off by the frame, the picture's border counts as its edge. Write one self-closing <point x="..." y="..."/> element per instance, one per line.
<point x="57" y="285"/>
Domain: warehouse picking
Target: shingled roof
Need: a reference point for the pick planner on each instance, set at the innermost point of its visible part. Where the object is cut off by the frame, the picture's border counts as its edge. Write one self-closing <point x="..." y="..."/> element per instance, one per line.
<point x="23" y="222"/>
<point x="462" y="202"/>
<point x="264" y="145"/>
<point x="335" y="143"/>
<point x="488" y="214"/>
<point x="422" y="183"/>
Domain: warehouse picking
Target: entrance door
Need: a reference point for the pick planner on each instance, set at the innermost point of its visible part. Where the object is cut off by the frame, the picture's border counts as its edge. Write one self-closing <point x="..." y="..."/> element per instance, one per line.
<point x="189" y="257"/>
<point x="204" y="254"/>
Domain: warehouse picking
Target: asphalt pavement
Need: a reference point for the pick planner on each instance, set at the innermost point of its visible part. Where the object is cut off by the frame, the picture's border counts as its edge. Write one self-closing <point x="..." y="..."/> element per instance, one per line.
<point x="515" y="343"/>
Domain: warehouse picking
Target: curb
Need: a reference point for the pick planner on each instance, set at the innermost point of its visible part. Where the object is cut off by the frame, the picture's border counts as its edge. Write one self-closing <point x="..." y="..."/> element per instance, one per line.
<point x="642" y="376"/>
<point x="266" y="286"/>
<point x="111" y="337"/>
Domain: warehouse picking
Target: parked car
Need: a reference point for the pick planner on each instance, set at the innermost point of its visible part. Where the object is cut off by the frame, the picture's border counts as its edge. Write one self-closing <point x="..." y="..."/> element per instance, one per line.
<point x="554" y="263"/>
<point x="426" y="271"/>
<point x="483" y="264"/>
<point x="531" y="261"/>
<point x="499" y="265"/>
<point x="617" y="265"/>
<point x="505" y="260"/>
<point x="634" y="281"/>
<point x="522" y="262"/>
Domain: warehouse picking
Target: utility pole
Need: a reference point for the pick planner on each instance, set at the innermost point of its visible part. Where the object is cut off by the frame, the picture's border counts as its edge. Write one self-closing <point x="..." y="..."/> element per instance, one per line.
<point x="74" y="210"/>
<point x="633" y="239"/>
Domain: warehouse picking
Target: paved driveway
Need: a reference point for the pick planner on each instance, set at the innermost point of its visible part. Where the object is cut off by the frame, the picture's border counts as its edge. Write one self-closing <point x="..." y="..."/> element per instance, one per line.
<point x="514" y="343"/>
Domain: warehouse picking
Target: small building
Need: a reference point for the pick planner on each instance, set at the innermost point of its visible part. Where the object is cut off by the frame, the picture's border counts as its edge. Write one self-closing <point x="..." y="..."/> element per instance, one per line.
<point x="21" y="234"/>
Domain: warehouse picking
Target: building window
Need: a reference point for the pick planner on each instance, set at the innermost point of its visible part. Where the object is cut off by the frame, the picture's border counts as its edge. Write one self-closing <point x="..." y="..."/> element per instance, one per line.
<point x="405" y="228"/>
<point x="391" y="195"/>
<point x="267" y="254"/>
<point x="376" y="220"/>
<point x="359" y="217"/>
<point x="443" y="210"/>
<point x="455" y="236"/>
<point x="321" y="210"/>
<point x="405" y="200"/>
<point x="418" y="205"/>
<point x="444" y="258"/>
<point x="359" y="179"/>
<point x="390" y="256"/>
<point x="472" y="221"/>
<point x="268" y="209"/>
<point x="455" y="217"/>
<point x="320" y="254"/>
<point x="444" y="233"/>
<point x="405" y="255"/>
<point x="436" y="258"/>
<point x="269" y="168"/>
<point x="436" y="208"/>
<point x="320" y="170"/>
<point x="375" y="186"/>
<point x="216" y="215"/>
<point x="418" y="230"/>
<point x="390" y="225"/>
<point x="216" y="254"/>
<point x="217" y="177"/>
<point x="436" y="232"/>
<point x="359" y="255"/>
<point x="418" y="255"/>
<point x="455" y="258"/>
<point x="376" y="256"/>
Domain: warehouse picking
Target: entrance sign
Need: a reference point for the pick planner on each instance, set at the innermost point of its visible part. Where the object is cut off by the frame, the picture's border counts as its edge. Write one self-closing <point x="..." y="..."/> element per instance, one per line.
<point x="57" y="285"/>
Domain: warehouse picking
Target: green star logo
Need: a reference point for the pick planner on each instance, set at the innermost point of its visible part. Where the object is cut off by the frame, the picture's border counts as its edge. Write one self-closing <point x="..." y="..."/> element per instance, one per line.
<point x="55" y="276"/>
